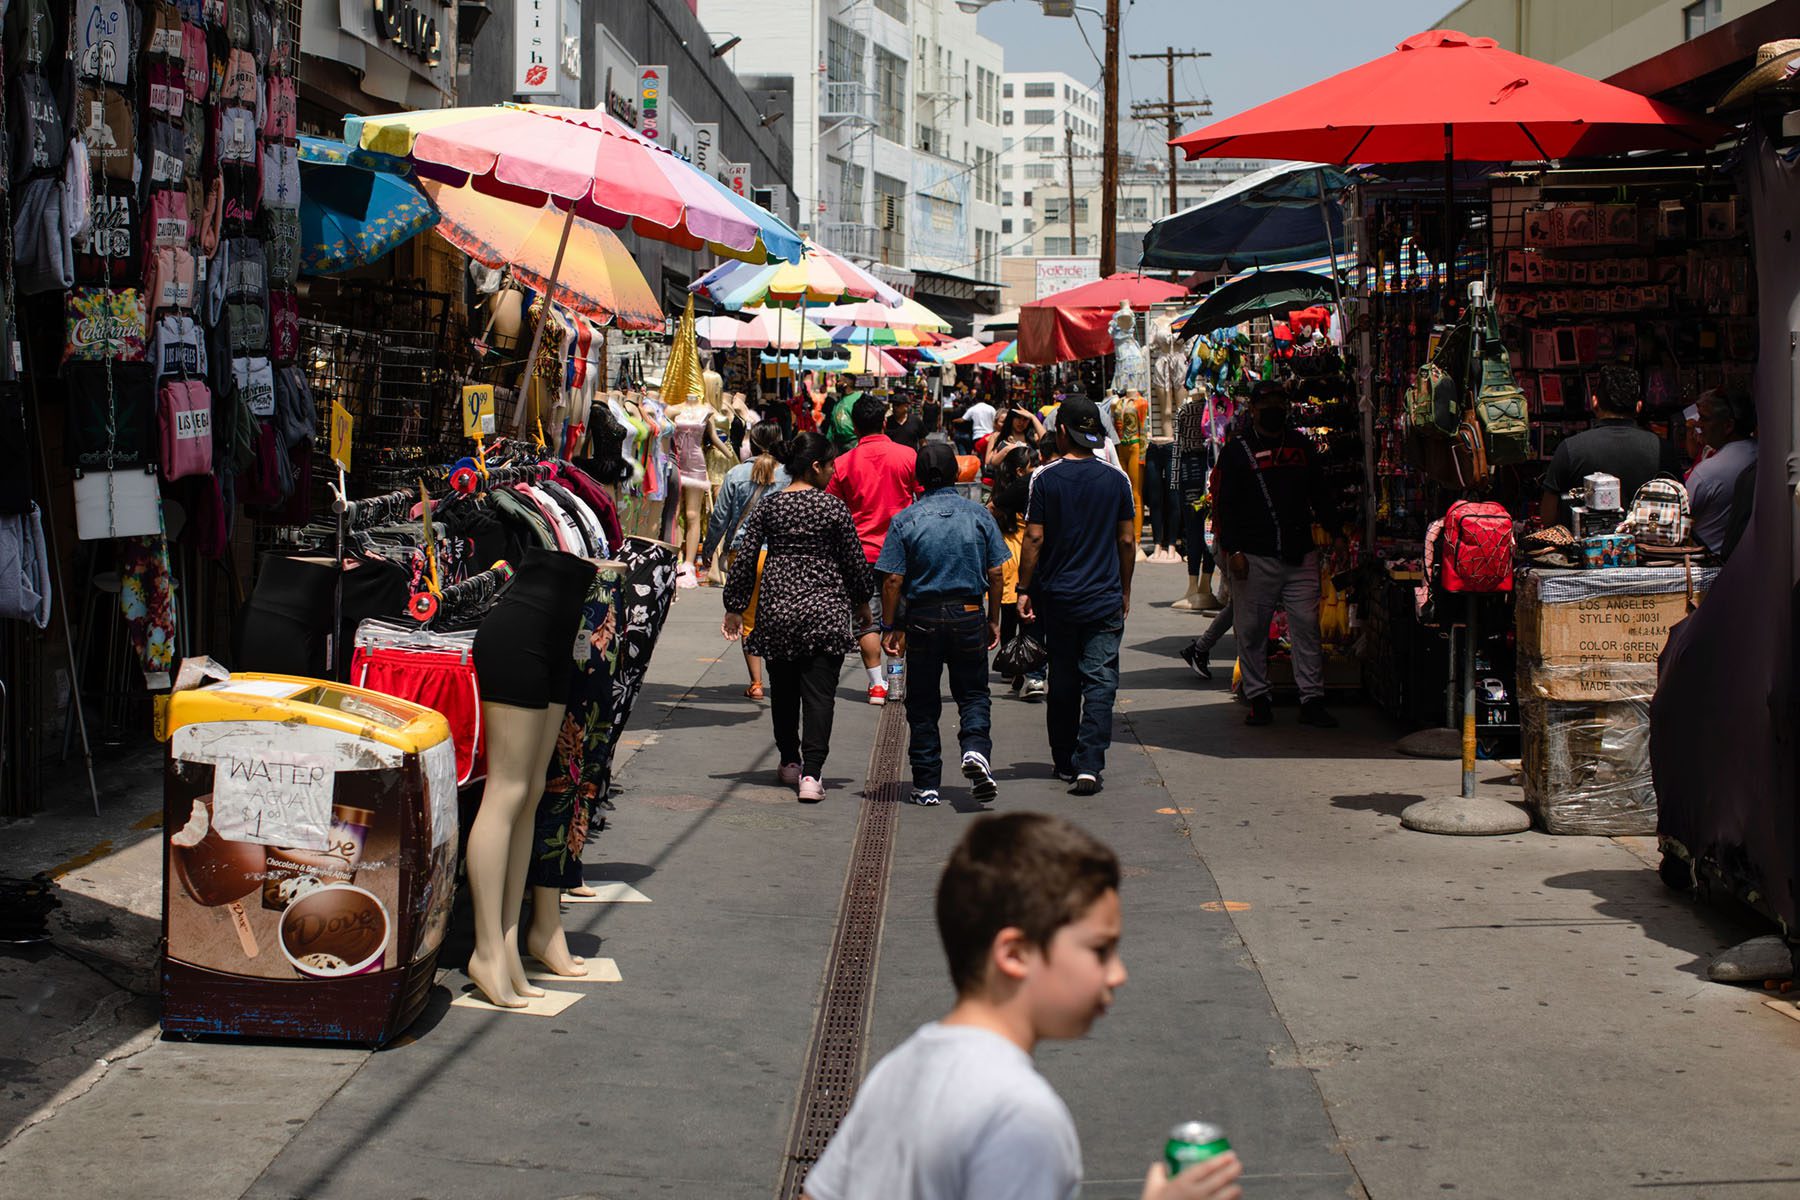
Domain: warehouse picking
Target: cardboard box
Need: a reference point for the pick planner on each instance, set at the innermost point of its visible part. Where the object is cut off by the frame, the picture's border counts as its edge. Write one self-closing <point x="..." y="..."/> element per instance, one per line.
<point x="1586" y="767"/>
<point x="1595" y="636"/>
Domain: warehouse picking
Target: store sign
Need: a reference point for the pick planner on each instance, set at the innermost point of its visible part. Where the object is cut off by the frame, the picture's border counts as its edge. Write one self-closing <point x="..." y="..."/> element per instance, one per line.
<point x="736" y="176"/>
<point x="650" y="100"/>
<point x="414" y="32"/>
<point x="1059" y="274"/>
<point x="621" y="105"/>
<point x="537" y="25"/>
<point x="706" y="141"/>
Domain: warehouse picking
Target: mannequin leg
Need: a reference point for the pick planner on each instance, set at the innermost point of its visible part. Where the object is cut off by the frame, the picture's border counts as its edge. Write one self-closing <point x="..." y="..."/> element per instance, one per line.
<point x="693" y="519"/>
<point x="501" y="835"/>
<point x="544" y="941"/>
<point x="1131" y="458"/>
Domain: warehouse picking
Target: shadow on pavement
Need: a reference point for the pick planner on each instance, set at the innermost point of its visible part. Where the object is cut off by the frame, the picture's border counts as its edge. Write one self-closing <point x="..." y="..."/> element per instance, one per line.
<point x="1637" y="895"/>
<point x="1389" y="804"/>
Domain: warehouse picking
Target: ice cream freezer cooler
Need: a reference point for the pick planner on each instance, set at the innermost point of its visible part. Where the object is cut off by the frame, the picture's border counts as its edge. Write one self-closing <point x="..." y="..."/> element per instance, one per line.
<point x="310" y="860"/>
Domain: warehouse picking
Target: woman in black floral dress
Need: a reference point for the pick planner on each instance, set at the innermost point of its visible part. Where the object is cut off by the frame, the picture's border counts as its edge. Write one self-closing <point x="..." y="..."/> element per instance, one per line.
<point x="804" y="605"/>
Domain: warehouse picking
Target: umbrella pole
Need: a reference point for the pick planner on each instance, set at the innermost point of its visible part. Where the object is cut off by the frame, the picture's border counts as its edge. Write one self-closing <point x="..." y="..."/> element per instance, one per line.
<point x="537" y="334"/>
<point x="1446" y="281"/>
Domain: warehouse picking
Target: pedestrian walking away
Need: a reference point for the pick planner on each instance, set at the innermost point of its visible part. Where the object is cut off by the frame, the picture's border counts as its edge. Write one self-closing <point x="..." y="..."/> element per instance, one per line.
<point x="875" y="479"/>
<point x="1075" y="579"/>
<point x="943" y="556"/>
<point x="1028" y="912"/>
<point x="746" y="486"/>
<point x="1270" y="492"/>
<point x="814" y="579"/>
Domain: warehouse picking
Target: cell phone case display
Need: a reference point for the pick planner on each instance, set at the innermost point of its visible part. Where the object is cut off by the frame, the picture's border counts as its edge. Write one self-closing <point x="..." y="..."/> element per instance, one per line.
<point x="311" y="860"/>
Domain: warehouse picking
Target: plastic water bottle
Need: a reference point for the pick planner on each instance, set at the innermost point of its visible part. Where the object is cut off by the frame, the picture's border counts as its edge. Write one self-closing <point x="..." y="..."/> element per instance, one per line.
<point x="896" y="679"/>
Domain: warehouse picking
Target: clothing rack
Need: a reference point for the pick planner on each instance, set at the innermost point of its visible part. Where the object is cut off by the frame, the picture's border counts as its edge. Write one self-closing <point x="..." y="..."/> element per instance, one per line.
<point x="473" y="594"/>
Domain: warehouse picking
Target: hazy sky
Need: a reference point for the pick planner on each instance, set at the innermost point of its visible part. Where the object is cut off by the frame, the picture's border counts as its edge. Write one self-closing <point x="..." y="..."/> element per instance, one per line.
<point x="1260" y="49"/>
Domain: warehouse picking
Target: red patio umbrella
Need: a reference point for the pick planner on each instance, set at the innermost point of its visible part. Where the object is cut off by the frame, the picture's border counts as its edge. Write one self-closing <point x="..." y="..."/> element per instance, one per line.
<point x="1446" y="95"/>
<point x="1443" y="94"/>
<point x="1072" y="324"/>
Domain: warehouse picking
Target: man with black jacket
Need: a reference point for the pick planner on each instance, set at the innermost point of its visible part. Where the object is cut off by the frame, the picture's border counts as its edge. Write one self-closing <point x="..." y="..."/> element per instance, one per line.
<point x="1270" y="492"/>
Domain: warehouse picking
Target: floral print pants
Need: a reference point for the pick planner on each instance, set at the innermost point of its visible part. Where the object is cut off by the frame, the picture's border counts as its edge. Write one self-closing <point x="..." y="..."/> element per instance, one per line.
<point x="147" y="600"/>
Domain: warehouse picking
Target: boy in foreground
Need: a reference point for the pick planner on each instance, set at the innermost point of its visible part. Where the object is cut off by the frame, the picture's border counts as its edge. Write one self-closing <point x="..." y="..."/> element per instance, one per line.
<point x="1028" y="910"/>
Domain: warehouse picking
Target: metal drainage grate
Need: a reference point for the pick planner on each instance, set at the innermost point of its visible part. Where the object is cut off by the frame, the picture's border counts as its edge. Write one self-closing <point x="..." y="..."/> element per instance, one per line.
<point x="835" y="1060"/>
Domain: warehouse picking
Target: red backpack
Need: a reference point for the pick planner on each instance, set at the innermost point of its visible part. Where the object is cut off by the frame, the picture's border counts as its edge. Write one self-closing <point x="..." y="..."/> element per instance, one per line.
<point x="1477" y="551"/>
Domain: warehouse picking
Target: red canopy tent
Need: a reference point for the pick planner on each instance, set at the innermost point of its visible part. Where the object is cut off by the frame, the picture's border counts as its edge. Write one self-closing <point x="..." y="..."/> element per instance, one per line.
<point x="1071" y="325"/>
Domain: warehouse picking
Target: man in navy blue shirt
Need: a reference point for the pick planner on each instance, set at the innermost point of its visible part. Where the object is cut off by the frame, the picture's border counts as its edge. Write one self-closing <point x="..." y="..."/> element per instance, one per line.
<point x="1075" y="580"/>
<point x="943" y="553"/>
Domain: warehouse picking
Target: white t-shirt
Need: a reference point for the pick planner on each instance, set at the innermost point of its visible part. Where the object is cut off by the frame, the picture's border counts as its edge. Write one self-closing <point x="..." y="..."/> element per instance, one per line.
<point x="1710" y="485"/>
<point x="981" y="418"/>
<point x="954" y="1113"/>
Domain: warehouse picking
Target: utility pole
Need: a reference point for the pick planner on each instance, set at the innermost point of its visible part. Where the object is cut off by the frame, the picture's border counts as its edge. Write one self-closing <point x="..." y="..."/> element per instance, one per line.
<point x="1109" y="161"/>
<point x="1069" y="164"/>
<point x="1171" y="110"/>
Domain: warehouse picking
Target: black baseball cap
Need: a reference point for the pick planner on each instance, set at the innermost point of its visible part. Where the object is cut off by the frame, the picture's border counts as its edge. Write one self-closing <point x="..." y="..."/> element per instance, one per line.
<point x="936" y="466"/>
<point x="1079" y="417"/>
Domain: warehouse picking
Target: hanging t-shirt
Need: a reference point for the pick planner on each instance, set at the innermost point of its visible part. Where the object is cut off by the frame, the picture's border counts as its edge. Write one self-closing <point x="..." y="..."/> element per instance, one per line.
<point x="178" y="347"/>
<point x="281" y="246"/>
<point x="165" y="31"/>
<point x="256" y="384"/>
<point x="280" y="176"/>
<point x="234" y="134"/>
<point x="38" y="140"/>
<point x="103" y="118"/>
<point x="110" y="250"/>
<point x="173" y="277"/>
<point x="34" y="35"/>
<point x="165" y="153"/>
<point x="170" y="224"/>
<point x="284" y="326"/>
<point x="102" y="323"/>
<point x="168" y="90"/>
<point x="106" y="36"/>
<point x="128" y="401"/>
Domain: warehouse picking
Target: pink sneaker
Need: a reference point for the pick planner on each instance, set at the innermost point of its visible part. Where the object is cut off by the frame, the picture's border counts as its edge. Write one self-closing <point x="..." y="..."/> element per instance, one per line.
<point x="811" y="790"/>
<point x="789" y="775"/>
<point x="878" y="695"/>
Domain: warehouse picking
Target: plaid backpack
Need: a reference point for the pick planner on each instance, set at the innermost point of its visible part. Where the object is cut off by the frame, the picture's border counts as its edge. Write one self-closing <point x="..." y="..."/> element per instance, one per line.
<point x="1659" y="514"/>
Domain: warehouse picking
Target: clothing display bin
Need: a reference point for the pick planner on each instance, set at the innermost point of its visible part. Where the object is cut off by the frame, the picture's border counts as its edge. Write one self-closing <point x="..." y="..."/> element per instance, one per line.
<point x="310" y="844"/>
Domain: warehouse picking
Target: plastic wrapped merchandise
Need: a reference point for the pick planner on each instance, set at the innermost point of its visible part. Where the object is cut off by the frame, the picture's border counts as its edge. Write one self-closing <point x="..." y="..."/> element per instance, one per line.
<point x="1587" y="766"/>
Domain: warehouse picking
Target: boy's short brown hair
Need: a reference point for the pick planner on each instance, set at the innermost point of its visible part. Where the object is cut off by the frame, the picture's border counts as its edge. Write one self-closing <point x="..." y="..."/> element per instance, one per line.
<point x="1028" y="871"/>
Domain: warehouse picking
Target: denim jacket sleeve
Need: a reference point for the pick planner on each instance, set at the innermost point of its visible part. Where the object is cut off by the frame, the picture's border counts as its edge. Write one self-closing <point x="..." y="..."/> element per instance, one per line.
<point x="732" y="495"/>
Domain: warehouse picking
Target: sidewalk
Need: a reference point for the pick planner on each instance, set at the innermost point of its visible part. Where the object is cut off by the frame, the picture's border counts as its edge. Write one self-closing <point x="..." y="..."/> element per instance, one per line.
<point x="1367" y="1011"/>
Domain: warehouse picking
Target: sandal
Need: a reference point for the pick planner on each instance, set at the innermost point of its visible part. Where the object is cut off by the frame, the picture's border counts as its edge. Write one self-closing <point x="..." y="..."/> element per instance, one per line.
<point x="754" y="692"/>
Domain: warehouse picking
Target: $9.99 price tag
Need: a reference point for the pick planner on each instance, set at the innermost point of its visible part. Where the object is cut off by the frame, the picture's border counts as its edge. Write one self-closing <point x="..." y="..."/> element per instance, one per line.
<point x="478" y="410"/>
<point x="341" y="421"/>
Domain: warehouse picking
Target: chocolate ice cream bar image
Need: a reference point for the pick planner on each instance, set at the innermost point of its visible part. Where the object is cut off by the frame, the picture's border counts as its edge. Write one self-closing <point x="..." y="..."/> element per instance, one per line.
<point x="218" y="872"/>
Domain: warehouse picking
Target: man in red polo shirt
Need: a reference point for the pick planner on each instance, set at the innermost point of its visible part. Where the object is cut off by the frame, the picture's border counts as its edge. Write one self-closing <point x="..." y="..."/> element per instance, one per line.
<point x="876" y="478"/>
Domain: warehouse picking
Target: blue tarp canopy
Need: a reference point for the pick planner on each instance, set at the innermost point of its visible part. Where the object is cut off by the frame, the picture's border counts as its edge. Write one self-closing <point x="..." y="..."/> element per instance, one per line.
<point x="1265" y="218"/>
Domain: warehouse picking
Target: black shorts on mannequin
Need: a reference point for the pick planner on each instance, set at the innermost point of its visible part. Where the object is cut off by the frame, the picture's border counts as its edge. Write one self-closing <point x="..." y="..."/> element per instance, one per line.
<point x="524" y="648"/>
<point x="288" y="620"/>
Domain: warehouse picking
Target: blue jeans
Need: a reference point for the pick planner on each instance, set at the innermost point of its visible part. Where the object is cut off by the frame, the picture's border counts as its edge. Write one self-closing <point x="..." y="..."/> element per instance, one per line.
<point x="938" y="636"/>
<point x="1084" y="675"/>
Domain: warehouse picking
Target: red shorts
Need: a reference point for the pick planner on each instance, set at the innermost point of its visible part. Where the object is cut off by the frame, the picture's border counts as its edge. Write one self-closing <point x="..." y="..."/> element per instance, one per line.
<point x="436" y="679"/>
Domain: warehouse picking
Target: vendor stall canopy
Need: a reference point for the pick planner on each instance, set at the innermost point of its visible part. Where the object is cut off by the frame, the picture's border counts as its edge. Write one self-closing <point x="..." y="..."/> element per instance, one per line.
<point x="1443" y="94"/>
<point x="1259" y="294"/>
<point x="1071" y="325"/>
<point x="1275" y="215"/>
<point x="535" y="155"/>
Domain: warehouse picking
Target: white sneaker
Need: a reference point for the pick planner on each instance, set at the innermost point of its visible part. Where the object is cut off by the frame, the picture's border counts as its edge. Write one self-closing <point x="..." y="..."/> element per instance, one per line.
<point x="1035" y="690"/>
<point x="980" y="775"/>
<point x="925" y="797"/>
<point x="811" y="790"/>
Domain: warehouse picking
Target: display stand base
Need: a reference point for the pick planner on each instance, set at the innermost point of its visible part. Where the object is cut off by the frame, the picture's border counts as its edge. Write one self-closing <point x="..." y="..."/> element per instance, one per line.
<point x="1465" y="816"/>
<point x="594" y="970"/>
<point x="609" y="892"/>
<point x="1431" y="743"/>
<point x="549" y="1004"/>
<point x="1759" y="959"/>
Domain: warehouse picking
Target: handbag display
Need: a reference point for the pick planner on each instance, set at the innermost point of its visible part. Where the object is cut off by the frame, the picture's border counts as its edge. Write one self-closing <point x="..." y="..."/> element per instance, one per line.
<point x="1659" y="514"/>
<point x="1500" y="404"/>
<point x="1477" y="549"/>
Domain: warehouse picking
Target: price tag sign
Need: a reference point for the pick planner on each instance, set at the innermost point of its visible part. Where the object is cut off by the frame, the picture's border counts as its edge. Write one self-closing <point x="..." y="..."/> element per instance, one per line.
<point x="274" y="797"/>
<point x="478" y="410"/>
<point x="341" y="421"/>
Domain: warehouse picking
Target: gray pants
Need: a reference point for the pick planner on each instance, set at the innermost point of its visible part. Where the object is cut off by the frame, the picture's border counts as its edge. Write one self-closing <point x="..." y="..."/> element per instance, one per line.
<point x="1296" y="588"/>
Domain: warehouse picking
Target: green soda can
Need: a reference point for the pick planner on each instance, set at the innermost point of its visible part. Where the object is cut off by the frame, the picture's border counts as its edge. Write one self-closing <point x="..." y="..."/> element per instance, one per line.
<point x="1191" y="1142"/>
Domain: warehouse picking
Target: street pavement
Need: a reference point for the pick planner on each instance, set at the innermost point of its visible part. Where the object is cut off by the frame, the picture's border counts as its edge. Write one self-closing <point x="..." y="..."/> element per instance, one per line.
<point x="1367" y="1011"/>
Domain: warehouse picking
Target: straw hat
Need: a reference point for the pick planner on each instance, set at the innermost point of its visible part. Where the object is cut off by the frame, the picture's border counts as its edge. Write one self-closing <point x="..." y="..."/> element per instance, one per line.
<point x="1772" y="62"/>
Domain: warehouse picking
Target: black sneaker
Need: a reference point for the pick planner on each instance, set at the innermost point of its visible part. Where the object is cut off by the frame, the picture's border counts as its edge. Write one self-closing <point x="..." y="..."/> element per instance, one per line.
<point x="980" y="775"/>
<point x="1261" y="712"/>
<point x="924" y="797"/>
<point x="1314" y="713"/>
<point x="1193" y="657"/>
<point x="1066" y="774"/>
<point x="1086" y="784"/>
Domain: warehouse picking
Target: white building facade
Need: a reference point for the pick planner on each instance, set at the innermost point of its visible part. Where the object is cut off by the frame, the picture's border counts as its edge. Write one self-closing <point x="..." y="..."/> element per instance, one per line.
<point x="897" y="143"/>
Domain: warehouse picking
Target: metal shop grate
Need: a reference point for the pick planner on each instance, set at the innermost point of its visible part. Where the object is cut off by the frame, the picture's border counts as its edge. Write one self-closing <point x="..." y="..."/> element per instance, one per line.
<point x="835" y="1060"/>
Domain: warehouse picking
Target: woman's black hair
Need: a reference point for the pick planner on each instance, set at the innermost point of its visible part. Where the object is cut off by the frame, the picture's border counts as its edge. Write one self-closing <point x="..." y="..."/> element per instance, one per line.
<point x="1007" y="420"/>
<point x="807" y="451"/>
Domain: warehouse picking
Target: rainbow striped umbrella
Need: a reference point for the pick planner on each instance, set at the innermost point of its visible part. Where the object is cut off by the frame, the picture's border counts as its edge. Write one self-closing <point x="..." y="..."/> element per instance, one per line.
<point x="820" y="276"/>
